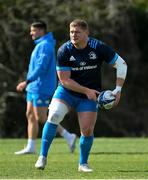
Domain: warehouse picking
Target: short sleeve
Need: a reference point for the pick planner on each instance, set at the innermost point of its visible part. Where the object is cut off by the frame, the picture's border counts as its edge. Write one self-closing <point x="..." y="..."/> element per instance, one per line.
<point x="107" y="53"/>
<point x="63" y="59"/>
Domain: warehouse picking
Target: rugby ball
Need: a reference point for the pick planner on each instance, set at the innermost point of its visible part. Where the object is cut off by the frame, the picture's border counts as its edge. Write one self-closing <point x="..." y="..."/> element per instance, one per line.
<point x="106" y="99"/>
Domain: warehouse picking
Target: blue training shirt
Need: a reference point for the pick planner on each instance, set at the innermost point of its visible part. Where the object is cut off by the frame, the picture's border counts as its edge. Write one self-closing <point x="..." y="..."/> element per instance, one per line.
<point x="85" y="64"/>
<point x="42" y="67"/>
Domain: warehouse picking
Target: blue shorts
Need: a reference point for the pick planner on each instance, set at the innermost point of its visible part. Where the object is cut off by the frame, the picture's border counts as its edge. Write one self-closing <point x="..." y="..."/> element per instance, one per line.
<point x="78" y="103"/>
<point x="38" y="100"/>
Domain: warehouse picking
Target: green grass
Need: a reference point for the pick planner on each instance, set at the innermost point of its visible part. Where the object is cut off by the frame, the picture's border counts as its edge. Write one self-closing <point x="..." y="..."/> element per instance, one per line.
<point x="111" y="158"/>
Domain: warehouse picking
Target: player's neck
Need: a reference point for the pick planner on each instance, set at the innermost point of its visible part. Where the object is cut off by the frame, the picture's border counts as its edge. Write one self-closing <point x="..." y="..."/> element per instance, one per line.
<point x="81" y="45"/>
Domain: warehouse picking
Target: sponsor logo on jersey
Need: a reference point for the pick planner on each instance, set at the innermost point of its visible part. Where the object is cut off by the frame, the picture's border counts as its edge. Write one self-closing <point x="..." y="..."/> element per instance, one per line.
<point x="92" y="55"/>
<point x="72" y="59"/>
<point x="82" y="63"/>
<point x="84" y="68"/>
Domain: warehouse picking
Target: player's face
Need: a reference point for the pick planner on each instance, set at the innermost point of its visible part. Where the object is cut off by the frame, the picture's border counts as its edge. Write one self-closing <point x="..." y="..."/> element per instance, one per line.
<point x="35" y="33"/>
<point x="78" y="36"/>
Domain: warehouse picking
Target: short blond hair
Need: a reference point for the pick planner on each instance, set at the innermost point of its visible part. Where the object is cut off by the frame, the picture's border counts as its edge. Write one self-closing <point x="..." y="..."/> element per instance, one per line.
<point x="81" y="23"/>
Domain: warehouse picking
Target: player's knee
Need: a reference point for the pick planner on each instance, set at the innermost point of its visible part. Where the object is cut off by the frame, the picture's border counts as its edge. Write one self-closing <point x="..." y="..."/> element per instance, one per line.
<point x="87" y="131"/>
<point x="55" y="117"/>
<point x="29" y="115"/>
<point x="57" y="111"/>
<point x="41" y="118"/>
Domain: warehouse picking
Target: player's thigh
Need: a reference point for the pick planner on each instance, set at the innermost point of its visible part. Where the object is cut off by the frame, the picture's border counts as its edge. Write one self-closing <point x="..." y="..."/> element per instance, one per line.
<point x="87" y="122"/>
<point x="30" y="111"/>
<point x="40" y="106"/>
<point x="40" y="113"/>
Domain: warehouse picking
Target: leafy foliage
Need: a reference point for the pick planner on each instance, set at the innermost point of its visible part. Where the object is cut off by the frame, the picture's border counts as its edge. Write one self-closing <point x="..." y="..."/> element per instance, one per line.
<point x="122" y="24"/>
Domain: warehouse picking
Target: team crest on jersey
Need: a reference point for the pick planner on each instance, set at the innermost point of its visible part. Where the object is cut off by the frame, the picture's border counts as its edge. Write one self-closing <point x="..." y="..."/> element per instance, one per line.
<point x="92" y="55"/>
<point x="72" y="58"/>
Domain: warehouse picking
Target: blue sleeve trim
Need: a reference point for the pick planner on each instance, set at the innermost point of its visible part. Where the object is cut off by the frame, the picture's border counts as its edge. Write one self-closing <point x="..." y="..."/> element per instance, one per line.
<point x="63" y="68"/>
<point x="114" y="59"/>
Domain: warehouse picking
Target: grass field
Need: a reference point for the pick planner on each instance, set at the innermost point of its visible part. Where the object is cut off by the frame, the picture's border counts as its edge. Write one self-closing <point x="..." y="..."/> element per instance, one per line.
<point x="111" y="158"/>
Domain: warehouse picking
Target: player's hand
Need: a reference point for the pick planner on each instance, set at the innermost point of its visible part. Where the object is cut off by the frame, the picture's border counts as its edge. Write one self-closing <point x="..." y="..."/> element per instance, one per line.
<point x="117" y="93"/>
<point x="117" y="96"/>
<point x="92" y="94"/>
<point x="21" y="86"/>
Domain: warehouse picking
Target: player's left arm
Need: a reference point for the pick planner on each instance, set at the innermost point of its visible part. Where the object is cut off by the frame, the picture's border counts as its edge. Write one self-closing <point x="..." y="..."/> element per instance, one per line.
<point x="112" y="58"/>
<point x="121" y="71"/>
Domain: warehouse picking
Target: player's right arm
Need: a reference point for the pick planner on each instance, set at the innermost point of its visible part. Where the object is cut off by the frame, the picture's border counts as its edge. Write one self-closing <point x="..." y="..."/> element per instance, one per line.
<point x="67" y="82"/>
<point x="21" y="86"/>
<point x="64" y="74"/>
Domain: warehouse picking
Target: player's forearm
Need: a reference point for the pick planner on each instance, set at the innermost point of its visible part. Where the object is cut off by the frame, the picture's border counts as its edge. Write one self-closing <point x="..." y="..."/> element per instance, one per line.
<point x="119" y="85"/>
<point x="121" y="71"/>
<point x="74" y="86"/>
<point x="120" y="82"/>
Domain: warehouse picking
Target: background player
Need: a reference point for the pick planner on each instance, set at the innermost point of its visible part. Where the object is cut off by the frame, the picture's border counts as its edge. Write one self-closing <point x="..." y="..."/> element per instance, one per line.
<point x="40" y="85"/>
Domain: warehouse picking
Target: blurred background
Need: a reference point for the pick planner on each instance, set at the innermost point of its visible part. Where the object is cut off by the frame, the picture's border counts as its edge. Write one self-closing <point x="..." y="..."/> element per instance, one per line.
<point x="121" y="24"/>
